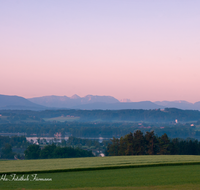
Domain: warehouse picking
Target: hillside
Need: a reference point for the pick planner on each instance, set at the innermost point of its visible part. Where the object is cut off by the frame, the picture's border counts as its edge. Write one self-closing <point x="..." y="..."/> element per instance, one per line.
<point x="18" y="103"/>
<point x="72" y="102"/>
<point x="95" y="163"/>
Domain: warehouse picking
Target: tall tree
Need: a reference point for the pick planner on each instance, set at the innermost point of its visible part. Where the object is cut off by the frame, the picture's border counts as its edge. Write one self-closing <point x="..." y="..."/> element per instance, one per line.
<point x="122" y="146"/>
<point x="32" y="152"/>
<point x="152" y="143"/>
<point x="130" y="144"/>
<point x="139" y="143"/>
<point x="164" y="144"/>
<point x="113" y="148"/>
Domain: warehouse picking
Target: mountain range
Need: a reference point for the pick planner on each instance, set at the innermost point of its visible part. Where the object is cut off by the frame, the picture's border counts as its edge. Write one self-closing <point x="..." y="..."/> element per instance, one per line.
<point x="72" y="102"/>
<point x="88" y="102"/>
<point x="18" y="103"/>
<point x="91" y="102"/>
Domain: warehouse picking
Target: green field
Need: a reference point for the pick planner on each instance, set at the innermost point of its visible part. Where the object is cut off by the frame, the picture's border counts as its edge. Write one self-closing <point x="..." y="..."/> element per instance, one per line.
<point x="156" y="177"/>
<point x="62" y="119"/>
<point x="129" y="177"/>
<point x="93" y="162"/>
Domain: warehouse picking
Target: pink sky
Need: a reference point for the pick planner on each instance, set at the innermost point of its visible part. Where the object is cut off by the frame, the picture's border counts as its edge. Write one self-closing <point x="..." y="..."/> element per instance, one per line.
<point x="140" y="50"/>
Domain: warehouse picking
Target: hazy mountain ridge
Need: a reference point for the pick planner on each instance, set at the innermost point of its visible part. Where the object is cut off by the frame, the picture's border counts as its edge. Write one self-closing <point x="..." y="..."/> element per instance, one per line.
<point x="109" y="102"/>
<point x="18" y="102"/>
<point x="89" y="102"/>
<point x="181" y="104"/>
<point x="119" y="106"/>
<point x="72" y="102"/>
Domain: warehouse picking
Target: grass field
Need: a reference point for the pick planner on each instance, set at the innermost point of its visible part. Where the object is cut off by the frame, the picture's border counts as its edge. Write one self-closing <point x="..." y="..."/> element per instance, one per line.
<point x="62" y="119"/>
<point x="93" y="162"/>
<point x="163" y="176"/>
<point x="157" y="177"/>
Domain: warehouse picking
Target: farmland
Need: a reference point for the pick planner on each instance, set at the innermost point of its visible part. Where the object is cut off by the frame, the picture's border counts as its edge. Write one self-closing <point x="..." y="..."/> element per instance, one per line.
<point x="62" y="118"/>
<point x="109" y="173"/>
<point x="161" y="177"/>
<point x="70" y="164"/>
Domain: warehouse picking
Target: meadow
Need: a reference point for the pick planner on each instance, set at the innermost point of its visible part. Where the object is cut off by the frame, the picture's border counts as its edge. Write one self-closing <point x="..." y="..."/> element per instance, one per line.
<point x="62" y="119"/>
<point x="108" y="173"/>
<point x="160" y="177"/>
<point x="72" y="164"/>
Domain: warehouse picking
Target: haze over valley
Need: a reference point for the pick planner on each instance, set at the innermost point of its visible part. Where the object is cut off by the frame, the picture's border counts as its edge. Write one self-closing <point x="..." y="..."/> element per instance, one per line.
<point x="89" y="102"/>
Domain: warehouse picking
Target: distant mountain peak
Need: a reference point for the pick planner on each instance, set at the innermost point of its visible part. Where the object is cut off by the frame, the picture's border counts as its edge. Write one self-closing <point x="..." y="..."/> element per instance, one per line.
<point x="181" y="101"/>
<point x="75" y="96"/>
<point x="125" y="100"/>
<point x="96" y="98"/>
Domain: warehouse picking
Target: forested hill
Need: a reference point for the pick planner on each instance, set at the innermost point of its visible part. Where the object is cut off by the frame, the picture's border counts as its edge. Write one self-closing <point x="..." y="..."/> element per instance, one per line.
<point x="158" y="115"/>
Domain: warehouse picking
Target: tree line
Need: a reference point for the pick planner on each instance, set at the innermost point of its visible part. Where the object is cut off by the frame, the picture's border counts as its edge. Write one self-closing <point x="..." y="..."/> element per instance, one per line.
<point x="52" y="151"/>
<point x="138" y="143"/>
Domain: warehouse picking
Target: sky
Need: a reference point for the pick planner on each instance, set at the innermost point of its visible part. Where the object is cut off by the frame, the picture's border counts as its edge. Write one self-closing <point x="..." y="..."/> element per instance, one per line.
<point x="140" y="50"/>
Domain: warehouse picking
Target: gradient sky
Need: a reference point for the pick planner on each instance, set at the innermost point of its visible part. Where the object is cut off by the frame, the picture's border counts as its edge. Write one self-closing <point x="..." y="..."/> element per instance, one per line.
<point x="136" y="49"/>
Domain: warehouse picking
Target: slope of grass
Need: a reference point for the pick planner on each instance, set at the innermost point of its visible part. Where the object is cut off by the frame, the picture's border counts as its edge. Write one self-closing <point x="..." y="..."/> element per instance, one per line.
<point x="95" y="162"/>
<point x="62" y="119"/>
<point x="147" y="178"/>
